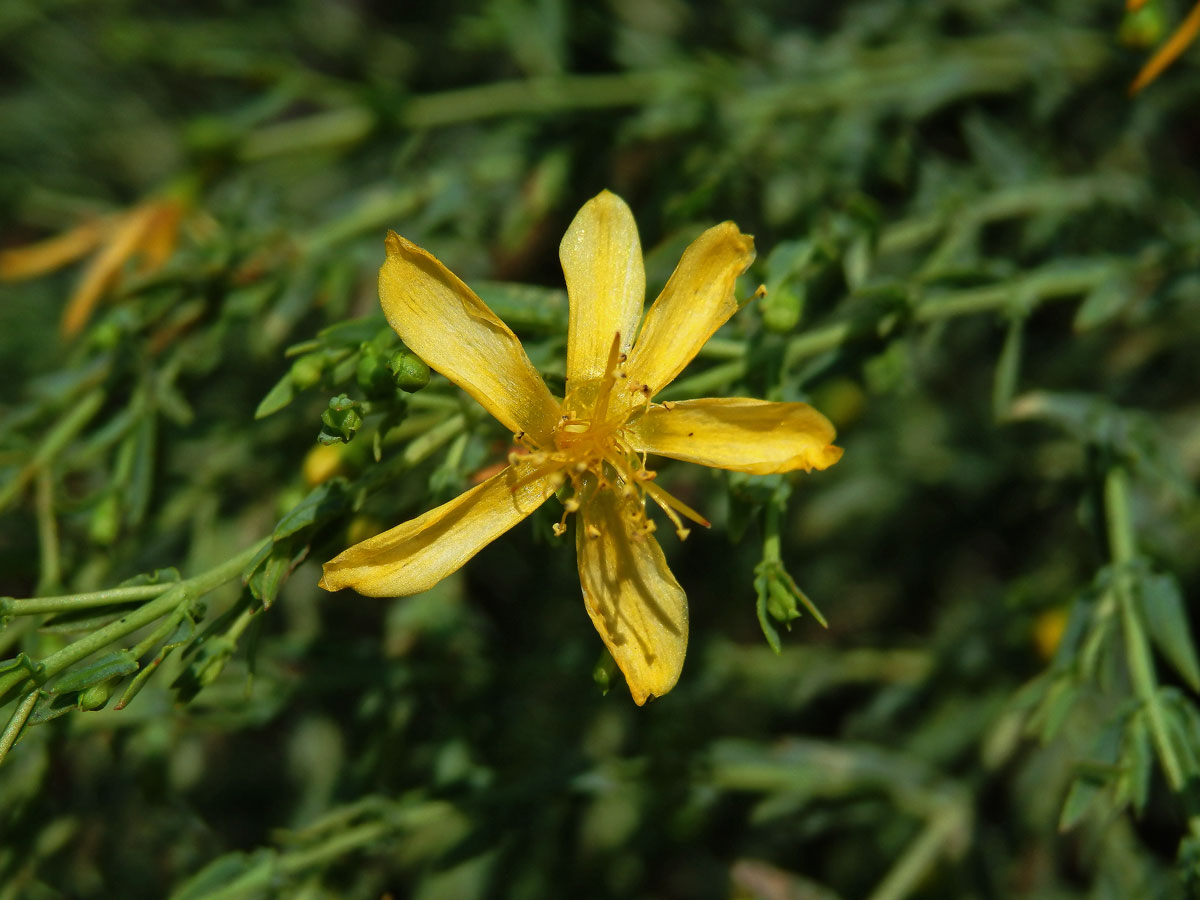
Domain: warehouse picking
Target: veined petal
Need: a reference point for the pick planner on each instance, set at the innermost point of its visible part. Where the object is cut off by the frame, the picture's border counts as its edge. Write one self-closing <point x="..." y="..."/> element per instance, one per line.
<point x="417" y="555"/>
<point x="443" y="322"/>
<point x="633" y="599"/>
<point x="601" y="258"/>
<point x="697" y="300"/>
<point x="744" y="435"/>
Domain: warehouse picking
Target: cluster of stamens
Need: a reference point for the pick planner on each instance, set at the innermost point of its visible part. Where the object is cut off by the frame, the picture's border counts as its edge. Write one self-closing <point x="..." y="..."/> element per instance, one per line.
<point x="591" y="453"/>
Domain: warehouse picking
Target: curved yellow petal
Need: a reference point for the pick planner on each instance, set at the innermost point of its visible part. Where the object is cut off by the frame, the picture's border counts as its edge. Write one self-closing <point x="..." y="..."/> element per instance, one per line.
<point x="443" y="322"/>
<point x="633" y="599"/>
<point x="417" y="555"/>
<point x="697" y="300"/>
<point x="105" y="268"/>
<point x="1179" y="41"/>
<point x="744" y="435"/>
<point x="53" y="253"/>
<point x="601" y="258"/>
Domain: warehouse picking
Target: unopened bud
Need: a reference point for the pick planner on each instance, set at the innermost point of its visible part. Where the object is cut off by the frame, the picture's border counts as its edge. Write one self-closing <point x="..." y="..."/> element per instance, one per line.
<point x="307" y="371"/>
<point x="96" y="696"/>
<point x="373" y="375"/>
<point x="341" y="421"/>
<point x="408" y="371"/>
<point x="781" y="309"/>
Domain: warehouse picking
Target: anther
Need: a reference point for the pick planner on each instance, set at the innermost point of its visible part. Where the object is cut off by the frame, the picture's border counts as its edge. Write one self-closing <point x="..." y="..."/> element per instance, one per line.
<point x="592" y="531"/>
<point x="559" y="528"/>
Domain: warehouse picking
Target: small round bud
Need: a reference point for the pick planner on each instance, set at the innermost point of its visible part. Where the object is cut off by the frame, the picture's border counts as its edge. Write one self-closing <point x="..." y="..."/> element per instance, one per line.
<point x="1143" y="27"/>
<point x="373" y="376"/>
<point x="307" y="371"/>
<point x="409" y="371"/>
<point x="96" y="696"/>
<point x="341" y="421"/>
<point x="105" y="522"/>
<point x="781" y="310"/>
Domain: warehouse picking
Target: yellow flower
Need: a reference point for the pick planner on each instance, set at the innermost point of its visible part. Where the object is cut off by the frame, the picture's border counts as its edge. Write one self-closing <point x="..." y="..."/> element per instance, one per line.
<point x="149" y="231"/>
<point x="593" y="442"/>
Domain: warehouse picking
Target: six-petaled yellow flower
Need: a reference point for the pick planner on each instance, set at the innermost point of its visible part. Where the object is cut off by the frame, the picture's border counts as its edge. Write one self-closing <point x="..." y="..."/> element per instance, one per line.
<point x="591" y="445"/>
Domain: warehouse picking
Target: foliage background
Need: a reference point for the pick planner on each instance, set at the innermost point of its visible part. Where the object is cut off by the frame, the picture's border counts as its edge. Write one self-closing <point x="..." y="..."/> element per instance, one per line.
<point x="981" y="257"/>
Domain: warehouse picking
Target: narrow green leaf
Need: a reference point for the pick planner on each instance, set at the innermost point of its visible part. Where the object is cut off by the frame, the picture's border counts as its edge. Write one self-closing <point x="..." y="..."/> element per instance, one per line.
<point x="1138" y="758"/>
<point x="1104" y="303"/>
<point x="277" y="398"/>
<point x="1083" y="795"/>
<point x="119" y="662"/>
<point x="226" y="873"/>
<point x="1167" y="622"/>
<point x="1008" y="368"/>
<point x="322" y="502"/>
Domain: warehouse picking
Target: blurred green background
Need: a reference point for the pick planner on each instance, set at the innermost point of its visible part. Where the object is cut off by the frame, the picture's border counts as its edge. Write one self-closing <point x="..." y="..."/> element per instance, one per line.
<point x="981" y="257"/>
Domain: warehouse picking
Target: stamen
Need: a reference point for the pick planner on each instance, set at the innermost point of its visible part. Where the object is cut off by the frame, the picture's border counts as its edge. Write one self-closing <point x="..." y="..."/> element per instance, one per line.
<point x="670" y="504"/>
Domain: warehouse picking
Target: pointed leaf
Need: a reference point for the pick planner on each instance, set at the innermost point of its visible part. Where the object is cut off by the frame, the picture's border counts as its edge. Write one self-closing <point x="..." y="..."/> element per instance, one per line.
<point x="1166" y="620"/>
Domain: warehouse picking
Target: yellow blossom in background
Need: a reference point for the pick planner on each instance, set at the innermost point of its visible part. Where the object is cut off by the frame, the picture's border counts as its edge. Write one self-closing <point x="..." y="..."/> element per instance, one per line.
<point x="595" y="440"/>
<point x="147" y="233"/>
<point x="1048" y="630"/>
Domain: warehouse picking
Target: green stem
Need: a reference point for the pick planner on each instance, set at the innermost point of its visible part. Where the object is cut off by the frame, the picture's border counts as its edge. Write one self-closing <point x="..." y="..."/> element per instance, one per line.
<point x="59" y="436"/>
<point x="50" y="571"/>
<point x="138" y="618"/>
<point x="71" y="602"/>
<point x="17" y="722"/>
<point x="945" y="828"/>
<point x="1123" y="547"/>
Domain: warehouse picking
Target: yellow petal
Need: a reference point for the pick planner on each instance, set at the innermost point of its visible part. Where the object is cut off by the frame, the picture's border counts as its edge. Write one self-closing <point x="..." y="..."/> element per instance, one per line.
<point x="102" y="272"/>
<point x="633" y="599"/>
<point x="1170" y="51"/>
<point x="443" y="322"/>
<point x="52" y="253"/>
<point x="697" y="300"/>
<point x="602" y="260"/>
<point x="744" y="435"/>
<point x="417" y="555"/>
<point x="162" y="235"/>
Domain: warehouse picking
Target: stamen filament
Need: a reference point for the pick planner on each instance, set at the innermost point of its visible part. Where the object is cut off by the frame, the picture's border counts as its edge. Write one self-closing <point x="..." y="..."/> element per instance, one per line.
<point x="665" y="499"/>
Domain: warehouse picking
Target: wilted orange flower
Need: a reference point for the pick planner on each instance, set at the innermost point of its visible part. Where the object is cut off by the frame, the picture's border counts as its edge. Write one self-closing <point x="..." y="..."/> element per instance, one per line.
<point x="593" y="443"/>
<point x="149" y="231"/>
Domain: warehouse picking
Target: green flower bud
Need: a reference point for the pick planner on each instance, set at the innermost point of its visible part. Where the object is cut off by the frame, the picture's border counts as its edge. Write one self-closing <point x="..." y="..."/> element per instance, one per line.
<point x="105" y="522"/>
<point x="373" y="375"/>
<point x="1143" y="27"/>
<point x="341" y="421"/>
<point x="781" y="309"/>
<point x="307" y="371"/>
<point x="780" y="602"/>
<point x="409" y="371"/>
<point x="96" y="696"/>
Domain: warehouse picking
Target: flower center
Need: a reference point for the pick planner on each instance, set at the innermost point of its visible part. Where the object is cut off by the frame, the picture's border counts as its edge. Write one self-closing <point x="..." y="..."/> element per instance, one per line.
<point x="591" y="451"/>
